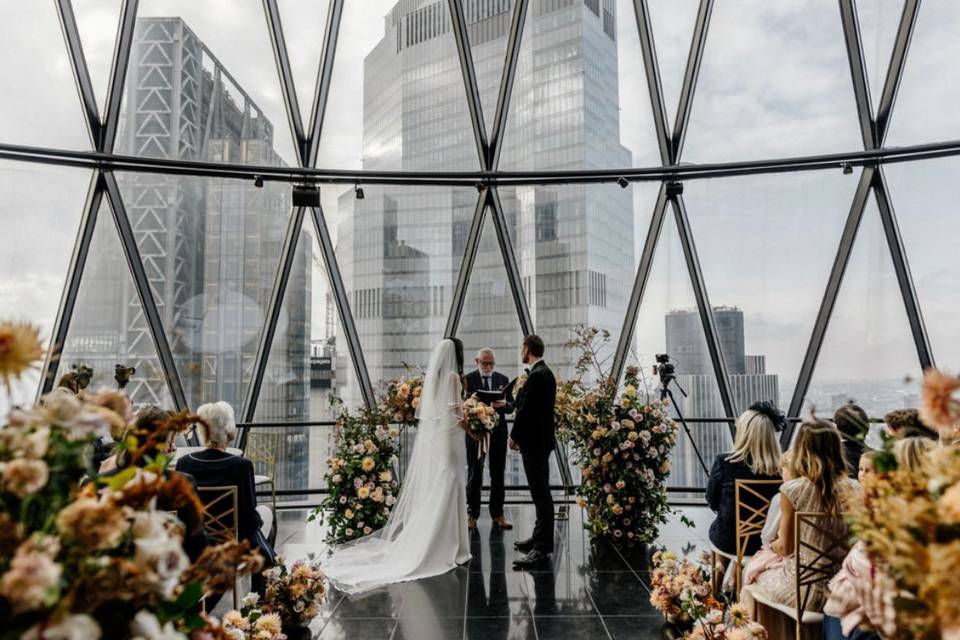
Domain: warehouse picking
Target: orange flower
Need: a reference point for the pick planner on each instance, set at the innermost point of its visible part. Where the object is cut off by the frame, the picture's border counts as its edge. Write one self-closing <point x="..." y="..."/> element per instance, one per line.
<point x="940" y="406"/>
<point x="20" y="349"/>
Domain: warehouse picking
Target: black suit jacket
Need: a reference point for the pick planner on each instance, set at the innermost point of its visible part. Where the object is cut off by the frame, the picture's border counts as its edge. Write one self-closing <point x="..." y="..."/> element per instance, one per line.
<point x="474" y="382"/>
<point x="214" y="468"/>
<point x="533" y="426"/>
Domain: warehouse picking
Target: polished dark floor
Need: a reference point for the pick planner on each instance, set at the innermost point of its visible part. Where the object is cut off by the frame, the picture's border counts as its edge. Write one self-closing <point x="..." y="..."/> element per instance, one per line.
<point x="588" y="591"/>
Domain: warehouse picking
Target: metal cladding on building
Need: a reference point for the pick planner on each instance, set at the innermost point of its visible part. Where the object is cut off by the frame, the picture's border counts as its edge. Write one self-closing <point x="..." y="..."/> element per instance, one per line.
<point x="209" y="246"/>
<point x="749" y="383"/>
<point x="400" y="248"/>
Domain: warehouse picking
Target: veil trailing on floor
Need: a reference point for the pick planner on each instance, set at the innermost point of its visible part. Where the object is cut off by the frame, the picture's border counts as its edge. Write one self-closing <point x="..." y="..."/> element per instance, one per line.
<point x="422" y="536"/>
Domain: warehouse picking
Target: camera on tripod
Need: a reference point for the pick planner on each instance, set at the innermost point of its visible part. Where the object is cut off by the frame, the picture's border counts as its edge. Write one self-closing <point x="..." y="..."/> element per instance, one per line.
<point x="665" y="369"/>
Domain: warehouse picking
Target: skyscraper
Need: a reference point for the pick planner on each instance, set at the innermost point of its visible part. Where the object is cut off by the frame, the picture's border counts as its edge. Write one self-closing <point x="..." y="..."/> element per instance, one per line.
<point x="400" y="247"/>
<point x="209" y="246"/>
<point x="748" y="379"/>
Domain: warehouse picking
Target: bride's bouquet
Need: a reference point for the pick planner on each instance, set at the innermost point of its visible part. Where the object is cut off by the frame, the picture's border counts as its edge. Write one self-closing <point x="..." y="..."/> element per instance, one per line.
<point x="478" y="421"/>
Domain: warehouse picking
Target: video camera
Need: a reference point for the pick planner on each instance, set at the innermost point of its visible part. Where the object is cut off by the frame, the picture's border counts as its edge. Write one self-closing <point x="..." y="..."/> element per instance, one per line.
<point x="665" y="369"/>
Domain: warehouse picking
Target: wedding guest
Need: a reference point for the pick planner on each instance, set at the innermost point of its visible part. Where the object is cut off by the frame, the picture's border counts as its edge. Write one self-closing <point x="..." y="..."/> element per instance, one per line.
<point x="486" y="379"/>
<point x="857" y="594"/>
<point x="755" y="456"/>
<point x="905" y="423"/>
<point x="766" y="557"/>
<point x="853" y="423"/>
<point x="821" y="485"/>
<point x="214" y="467"/>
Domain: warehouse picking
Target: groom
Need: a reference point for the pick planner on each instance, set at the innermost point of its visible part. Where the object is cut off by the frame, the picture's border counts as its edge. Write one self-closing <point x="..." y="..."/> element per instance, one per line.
<point x="534" y="437"/>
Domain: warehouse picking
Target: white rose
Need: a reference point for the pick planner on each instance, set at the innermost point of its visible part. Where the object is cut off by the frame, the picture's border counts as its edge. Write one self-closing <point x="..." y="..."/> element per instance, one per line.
<point x="71" y="627"/>
<point x="251" y="599"/>
<point x="164" y="561"/>
<point x="145" y="626"/>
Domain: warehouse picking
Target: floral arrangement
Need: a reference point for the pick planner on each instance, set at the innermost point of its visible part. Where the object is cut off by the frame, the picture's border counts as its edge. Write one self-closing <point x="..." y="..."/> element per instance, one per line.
<point x="402" y="399"/>
<point x="360" y="479"/>
<point x="20" y="349"/>
<point x="910" y="524"/>
<point x="478" y="421"/>
<point x="251" y="622"/>
<point x="681" y="590"/>
<point x="295" y="595"/>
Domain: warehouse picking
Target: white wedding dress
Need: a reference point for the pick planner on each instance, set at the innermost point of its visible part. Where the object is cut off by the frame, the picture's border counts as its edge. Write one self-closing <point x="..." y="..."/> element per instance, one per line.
<point x="426" y="532"/>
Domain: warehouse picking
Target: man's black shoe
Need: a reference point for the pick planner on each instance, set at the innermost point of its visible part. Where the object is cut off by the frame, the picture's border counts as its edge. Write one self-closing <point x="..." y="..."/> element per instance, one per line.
<point x="524" y="546"/>
<point x="533" y="559"/>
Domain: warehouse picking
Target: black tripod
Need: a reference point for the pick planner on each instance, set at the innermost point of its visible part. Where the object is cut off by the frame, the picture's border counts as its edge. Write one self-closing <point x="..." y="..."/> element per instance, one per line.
<point x="665" y="392"/>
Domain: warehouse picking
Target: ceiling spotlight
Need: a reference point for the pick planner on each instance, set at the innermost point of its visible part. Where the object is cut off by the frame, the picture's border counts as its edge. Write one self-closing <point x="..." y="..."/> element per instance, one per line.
<point x="358" y="191"/>
<point x="847" y="168"/>
<point x="258" y="182"/>
<point x="306" y="195"/>
<point x="623" y="182"/>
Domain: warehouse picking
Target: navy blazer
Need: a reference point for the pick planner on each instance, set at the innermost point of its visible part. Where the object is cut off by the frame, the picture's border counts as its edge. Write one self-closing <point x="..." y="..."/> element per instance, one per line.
<point x="533" y="426"/>
<point x="721" y="496"/>
<point x="214" y="468"/>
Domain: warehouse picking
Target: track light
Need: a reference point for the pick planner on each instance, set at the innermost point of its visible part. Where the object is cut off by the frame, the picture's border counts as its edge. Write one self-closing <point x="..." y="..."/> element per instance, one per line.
<point x="847" y="168"/>
<point x="358" y="191"/>
<point x="306" y="195"/>
<point x="258" y="182"/>
<point x="623" y="182"/>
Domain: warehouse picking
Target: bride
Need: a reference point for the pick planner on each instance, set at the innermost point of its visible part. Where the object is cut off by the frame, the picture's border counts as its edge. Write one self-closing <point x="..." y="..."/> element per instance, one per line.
<point x="426" y="532"/>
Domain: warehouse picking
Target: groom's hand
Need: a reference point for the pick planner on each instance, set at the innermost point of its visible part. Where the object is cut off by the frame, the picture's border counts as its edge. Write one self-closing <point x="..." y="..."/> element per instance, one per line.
<point x="513" y="445"/>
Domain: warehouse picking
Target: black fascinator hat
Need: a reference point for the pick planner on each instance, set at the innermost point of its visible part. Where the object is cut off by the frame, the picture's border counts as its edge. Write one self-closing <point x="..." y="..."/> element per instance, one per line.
<point x="771" y="411"/>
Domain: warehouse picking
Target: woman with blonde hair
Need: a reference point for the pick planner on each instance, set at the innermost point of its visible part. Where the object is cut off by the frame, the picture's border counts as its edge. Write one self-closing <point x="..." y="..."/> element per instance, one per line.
<point x="911" y="453"/>
<point x="755" y="456"/>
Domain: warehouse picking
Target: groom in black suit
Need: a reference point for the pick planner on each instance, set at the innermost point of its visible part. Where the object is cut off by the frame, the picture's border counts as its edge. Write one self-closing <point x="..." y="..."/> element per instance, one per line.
<point x="534" y="436"/>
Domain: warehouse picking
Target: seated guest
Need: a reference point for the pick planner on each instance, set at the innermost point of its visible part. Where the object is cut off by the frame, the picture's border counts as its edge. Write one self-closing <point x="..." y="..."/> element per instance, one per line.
<point x="905" y="423"/>
<point x="856" y="599"/>
<point x="820" y="485"/>
<point x="147" y="422"/>
<point x="755" y="456"/>
<point x="214" y="467"/>
<point x="853" y="424"/>
<point x="766" y="557"/>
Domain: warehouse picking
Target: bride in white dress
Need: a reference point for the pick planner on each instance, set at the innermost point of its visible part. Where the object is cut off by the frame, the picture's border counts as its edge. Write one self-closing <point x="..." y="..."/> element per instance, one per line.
<point x="426" y="532"/>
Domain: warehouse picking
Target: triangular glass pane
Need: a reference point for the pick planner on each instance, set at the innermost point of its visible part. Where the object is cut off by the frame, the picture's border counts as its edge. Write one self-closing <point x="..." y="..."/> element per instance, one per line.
<point x="878" y="20"/>
<point x="35" y="249"/>
<point x="304" y="24"/>
<point x="668" y="322"/>
<point x="925" y="109"/>
<point x="399" y="250"/>
<point x="488" y="27"/>
<point x="107" y="327"/>
<point x="97" y="22"/>
<point x="397" y="99"/>
<point x="763" y="94"/>
<point x="868" y="355"/>
<point x="203" y="85"/>
<point x="673" y="22"/>
<point x="922" y="197"/>
<point x="752" y="233"/>
<point x="579" y="95"/>
<point x="211" y="264"/>
<point x="40" y="104"/>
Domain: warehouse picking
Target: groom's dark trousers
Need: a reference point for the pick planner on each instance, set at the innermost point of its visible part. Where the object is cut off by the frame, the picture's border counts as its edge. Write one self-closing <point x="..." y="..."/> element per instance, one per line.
<point x="497" y="454"/>
<point x="534" y="432"/>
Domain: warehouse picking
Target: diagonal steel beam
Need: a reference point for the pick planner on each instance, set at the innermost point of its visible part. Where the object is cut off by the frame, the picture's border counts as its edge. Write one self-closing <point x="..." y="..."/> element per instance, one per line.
<point x="287" y="85"/>
<point x="652" y="69"/>
<point x="510" y="262"/>
<point x="506" y="83"/>
<point x="840" y="262"/>
<point x="342" y="303"/>
<point x="81" y="73"/>
<point x="466" y="264"/>
<point x="703" y="305"/>
<point x="287" y="253"/>
<point x="901" y="267"/>
<point x="858" y="73"/>
<point x="71" y="288"/>
<point x="690" y="76"/>
<point x="324" y="78"/>
<point x="639" y="285"/>
<point x="898" y="58"/>
<point x="141" y="283"/>
<point x="459" y="23"/>
<point x="118" y="75"/>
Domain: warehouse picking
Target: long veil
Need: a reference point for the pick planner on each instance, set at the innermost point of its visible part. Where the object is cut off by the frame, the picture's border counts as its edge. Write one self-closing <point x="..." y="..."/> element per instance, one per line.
<point x="401" y="549"/>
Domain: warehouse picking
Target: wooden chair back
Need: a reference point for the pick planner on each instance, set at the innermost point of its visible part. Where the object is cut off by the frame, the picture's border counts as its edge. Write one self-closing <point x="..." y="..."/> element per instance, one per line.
<point x="220" y="517"/>
<point x="752" y="505"/>
<point x="826" y="558"/>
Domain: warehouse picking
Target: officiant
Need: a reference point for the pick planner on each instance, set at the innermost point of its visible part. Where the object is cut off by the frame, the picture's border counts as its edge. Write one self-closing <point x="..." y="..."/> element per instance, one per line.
<point x="491" y="388"/>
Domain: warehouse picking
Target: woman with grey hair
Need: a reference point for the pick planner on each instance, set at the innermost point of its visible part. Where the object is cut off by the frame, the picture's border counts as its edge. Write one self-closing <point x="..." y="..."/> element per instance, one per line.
<point x="214" y="467"/>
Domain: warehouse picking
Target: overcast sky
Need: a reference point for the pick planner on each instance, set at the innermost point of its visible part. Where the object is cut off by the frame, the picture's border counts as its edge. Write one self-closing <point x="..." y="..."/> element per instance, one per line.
<point x="774" y="82"/>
